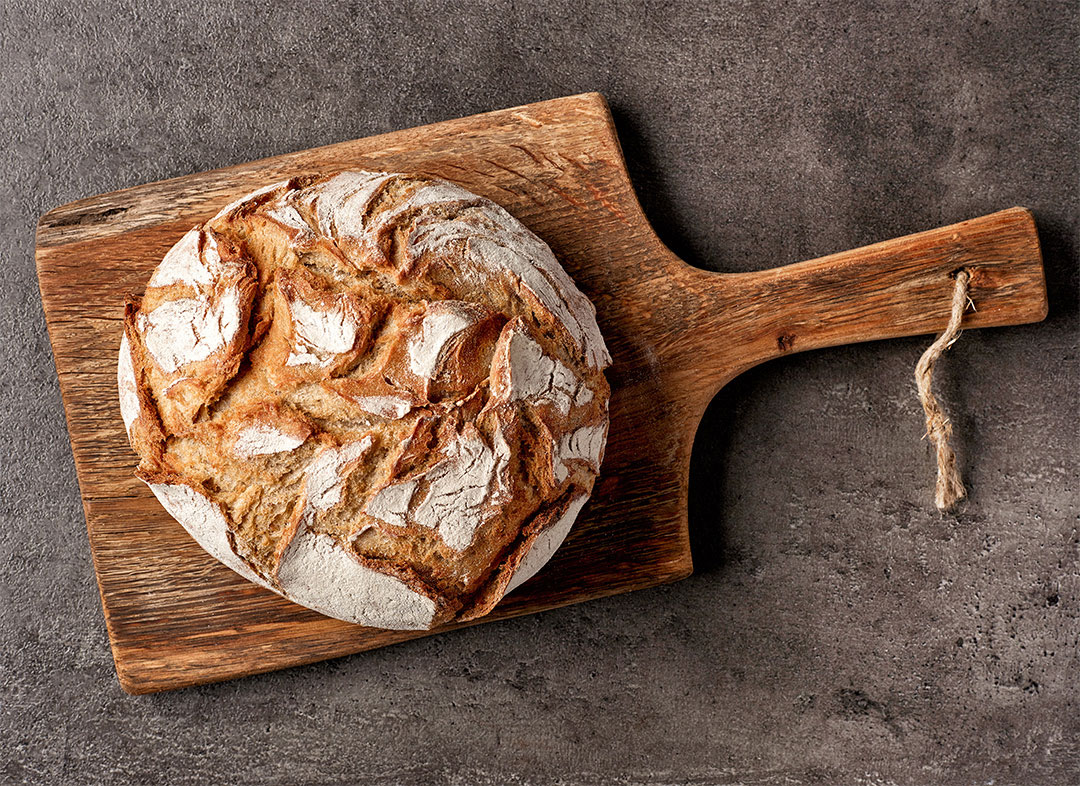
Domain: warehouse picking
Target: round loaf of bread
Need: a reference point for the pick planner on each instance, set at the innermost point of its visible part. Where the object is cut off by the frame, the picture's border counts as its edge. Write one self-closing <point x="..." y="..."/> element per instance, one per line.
<point x="377" y="394"/>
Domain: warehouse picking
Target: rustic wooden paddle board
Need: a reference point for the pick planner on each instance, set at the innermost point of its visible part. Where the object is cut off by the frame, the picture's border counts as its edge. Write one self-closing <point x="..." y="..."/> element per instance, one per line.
<point x="176" y="617"/>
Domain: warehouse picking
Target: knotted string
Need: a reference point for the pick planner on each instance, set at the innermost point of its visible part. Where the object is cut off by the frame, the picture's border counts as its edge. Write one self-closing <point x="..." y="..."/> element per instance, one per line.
<point x="950" y="488"/>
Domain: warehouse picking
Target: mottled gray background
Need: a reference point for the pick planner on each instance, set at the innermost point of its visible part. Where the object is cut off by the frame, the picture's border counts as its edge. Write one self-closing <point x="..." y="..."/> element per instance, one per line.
<point x="838" y="629"/>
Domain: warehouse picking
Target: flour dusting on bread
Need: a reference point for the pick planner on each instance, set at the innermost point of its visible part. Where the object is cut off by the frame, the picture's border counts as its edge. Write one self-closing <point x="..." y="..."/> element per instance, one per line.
<point x="264" y="440"/>
<point x="326" y="472"/>
<point x="204" y="521"/>
<point x="127" y="386"/>
<point x="322" y="575"/>
<point x="320" y="335"/>
<point x="179" y="332"/>
<point x="187" y="262"/>
<point x="546" y="543"/>
<point x="389" y="407"/>
<point x="436" y="331"/>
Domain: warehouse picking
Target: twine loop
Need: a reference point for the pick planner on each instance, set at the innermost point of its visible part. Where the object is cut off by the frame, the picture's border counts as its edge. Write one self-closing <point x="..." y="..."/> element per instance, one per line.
<point x="949" y="488"/>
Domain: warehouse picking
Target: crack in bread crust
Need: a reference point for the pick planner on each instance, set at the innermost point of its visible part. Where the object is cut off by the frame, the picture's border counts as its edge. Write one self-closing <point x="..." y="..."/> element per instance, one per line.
<point x="377" y="394"/>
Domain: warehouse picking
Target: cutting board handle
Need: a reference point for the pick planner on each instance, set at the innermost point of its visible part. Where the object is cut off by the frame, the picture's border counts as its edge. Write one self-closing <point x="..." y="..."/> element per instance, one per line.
<point x="900" y="287"/>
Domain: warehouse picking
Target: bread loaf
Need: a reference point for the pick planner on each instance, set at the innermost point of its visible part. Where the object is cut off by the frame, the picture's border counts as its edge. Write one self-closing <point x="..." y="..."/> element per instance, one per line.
<point x="377" y="394"/>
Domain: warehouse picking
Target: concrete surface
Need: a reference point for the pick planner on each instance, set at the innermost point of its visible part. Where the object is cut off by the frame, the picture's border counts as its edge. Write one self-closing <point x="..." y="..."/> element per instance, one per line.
<point x="839" y="630"/>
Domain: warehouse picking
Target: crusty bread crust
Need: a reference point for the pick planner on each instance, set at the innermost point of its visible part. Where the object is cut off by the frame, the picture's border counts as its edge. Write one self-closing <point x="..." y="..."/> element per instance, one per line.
<point x="376" y="394"/>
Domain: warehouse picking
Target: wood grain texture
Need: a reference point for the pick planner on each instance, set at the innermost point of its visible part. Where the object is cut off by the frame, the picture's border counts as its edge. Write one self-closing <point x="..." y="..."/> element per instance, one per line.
<point x="176" y="617"/>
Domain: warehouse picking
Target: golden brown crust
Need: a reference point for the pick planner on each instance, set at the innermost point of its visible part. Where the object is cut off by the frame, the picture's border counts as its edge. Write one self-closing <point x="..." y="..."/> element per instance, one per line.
<point x="490" y="593"/>
<point x="384" y="367"/>
<point x="145" y="432"/>
<point x="209" y="319"/>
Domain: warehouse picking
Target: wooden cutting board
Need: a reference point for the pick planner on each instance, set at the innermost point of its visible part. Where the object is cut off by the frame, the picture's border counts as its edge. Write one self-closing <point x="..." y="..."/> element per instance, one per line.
<point x="176" y="617"/>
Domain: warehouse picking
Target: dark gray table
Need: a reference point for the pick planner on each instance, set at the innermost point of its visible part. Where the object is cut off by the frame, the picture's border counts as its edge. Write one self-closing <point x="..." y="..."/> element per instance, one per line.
<point x="838" y="629"/>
